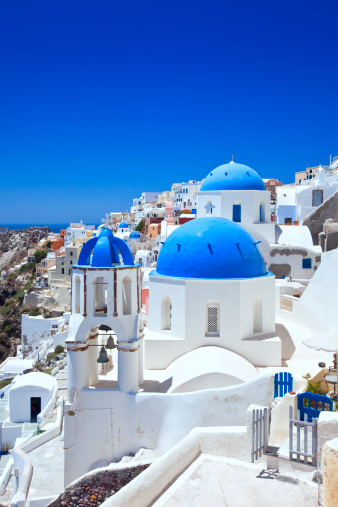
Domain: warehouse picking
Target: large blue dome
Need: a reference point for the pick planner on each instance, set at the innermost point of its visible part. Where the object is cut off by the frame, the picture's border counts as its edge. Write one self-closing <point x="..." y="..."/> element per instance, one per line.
<point x="232" y="176"/>
<point x="210" y="247"/>
<point x="103" y="252"/>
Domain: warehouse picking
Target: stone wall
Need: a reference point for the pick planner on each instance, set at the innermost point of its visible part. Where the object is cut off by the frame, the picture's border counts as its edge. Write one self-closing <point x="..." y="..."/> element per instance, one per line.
<point x="316" y="220"/>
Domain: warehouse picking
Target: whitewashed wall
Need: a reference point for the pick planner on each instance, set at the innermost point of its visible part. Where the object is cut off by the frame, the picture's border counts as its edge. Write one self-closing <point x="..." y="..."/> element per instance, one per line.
<point x="109" y="424"/>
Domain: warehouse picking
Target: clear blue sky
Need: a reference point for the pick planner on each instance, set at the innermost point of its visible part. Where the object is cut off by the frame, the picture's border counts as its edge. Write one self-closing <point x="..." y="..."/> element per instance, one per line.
<point x="101" y="100"/>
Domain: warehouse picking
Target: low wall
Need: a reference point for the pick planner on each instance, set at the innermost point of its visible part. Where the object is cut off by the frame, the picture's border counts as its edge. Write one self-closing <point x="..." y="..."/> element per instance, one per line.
<point x="23" y="463"/>
<point x="47" y="412"/>
<point x="330" y="473"/>
<point x="124" y="422"/>
<point x="234" y="442"/>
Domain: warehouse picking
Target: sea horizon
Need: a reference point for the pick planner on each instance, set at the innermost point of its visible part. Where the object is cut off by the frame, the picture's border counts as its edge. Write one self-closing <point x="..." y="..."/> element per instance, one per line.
<point x="53" y="227"/>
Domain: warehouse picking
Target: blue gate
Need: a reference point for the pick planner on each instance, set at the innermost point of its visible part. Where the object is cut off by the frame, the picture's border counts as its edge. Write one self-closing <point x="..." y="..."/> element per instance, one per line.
<point x="312" y="404"/>
<point x="283" y="383"/>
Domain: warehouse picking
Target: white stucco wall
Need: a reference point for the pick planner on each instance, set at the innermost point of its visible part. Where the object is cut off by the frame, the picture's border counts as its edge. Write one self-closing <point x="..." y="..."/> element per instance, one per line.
<point x="236" y="300"/>
<point x="34" y="330"/>
<point x="39" y="385"/>
<point x="109" y="423"/>
<point x="250" y="201"/>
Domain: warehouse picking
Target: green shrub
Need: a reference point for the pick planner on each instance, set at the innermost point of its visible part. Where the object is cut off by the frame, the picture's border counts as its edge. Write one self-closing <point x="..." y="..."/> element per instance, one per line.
<point x="37" y="365"/>
<point x="9" y="329"/>
<point x="8" y="309"/>
<point x="34" y="312"/>
<point x="26" y="268"/>
<point x="25" y="309"/>
<point x="5" y="382"/>
<point x="9" y="301"/>
<point x="39" y="255"/>
<point x="51" y="356"/>
<point x="139" y="226"/>
<point x="49" y="244"/>
<point x="19" y="296"/>
<point x="59" y="349"/>
<point x="314" y="388"/>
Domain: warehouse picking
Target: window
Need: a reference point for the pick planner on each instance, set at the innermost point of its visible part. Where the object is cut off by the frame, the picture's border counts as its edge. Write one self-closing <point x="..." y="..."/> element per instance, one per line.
<point x="71" y="253"/>
<point x="307" y="264"/>
<point x="262" y="212"/>
<point x="212" y="319"/>
<point x="100" y="296"/>
<point x="71" y="262"/>
<point x="237" y="213"/>
<point x="288" y="221"/>
<point x="77" y="294"/>
<point x="166" y="314"/>
<point x="258" y="316"/>
<point x="126" y="295"/>
<point x="63" y="271"/>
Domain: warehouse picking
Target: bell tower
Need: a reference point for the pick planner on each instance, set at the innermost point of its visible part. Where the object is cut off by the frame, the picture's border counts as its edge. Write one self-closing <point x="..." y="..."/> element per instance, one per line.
<point x="105" y="291"/>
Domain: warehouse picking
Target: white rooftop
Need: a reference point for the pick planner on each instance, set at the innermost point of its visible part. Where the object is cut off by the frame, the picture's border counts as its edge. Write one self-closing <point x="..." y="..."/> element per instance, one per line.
<point x="34" y="379"/>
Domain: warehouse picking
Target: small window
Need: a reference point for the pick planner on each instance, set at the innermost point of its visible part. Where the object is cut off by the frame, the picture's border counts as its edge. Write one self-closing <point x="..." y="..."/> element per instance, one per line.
<point x="307" y="264"/>
<point x="71" y="253"/>
<point x="63" y="271"/>
<point x="212" y="319"/>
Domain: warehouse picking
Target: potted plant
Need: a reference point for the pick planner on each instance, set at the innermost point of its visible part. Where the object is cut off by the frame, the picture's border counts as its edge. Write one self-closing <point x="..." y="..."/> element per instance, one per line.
<point x="5" y="448"/>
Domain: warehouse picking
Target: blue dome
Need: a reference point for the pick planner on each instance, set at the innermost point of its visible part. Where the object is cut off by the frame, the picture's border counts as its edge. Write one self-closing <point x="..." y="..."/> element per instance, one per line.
<point x="135" y="235"/>
<point x="123" y="226"/>
<point x="232" y="176"/>
<point x="210" y="247"/>
<point x="103" y="252"/>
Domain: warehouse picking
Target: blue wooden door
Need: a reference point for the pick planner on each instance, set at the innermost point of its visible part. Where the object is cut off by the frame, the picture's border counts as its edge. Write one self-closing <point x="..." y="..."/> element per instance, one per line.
<point x="283" y="383"/>
<point x="313" y="404"/>
<point x="237" y="213"/>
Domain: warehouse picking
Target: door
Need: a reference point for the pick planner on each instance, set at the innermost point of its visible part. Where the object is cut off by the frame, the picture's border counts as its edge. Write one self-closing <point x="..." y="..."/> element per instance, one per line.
<point x="35" y="408"/>
<point x="236" y="212"/>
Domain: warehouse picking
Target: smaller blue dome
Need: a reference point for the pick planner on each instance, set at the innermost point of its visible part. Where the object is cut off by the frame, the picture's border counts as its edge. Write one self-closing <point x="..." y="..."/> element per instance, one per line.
<point x="232" y="176"/>
<point x="103" y="252"/>
<point x="135" y="234"/>
<point x="123" y="226"/>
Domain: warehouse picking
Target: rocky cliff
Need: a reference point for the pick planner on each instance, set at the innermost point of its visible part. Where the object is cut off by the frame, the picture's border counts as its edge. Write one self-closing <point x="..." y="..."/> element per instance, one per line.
<point x="13" y="250"/>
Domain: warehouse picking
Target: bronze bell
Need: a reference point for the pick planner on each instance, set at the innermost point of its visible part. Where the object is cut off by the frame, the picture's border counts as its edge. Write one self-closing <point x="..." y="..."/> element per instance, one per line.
<point x="103" y="358"/>
<point x="110" y="343"/>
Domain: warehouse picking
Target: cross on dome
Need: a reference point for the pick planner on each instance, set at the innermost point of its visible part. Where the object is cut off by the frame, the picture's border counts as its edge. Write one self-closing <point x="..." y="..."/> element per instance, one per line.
<point x="106" y="221"/>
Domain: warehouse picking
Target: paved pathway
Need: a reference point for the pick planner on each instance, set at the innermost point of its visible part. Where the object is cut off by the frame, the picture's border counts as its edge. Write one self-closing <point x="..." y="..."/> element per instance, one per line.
<point x="217" y="482"/>
<point x="48" y="469"/>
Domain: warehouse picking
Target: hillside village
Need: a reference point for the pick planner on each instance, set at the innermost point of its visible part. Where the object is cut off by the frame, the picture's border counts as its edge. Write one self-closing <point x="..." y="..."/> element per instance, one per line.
<point x="193" y="336"/>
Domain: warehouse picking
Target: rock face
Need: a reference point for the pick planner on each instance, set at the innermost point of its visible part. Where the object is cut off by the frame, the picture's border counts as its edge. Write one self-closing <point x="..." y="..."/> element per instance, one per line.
<point x="14" y="245"/>
<point x="59" y="300"/>
<point x="13" y="250"/>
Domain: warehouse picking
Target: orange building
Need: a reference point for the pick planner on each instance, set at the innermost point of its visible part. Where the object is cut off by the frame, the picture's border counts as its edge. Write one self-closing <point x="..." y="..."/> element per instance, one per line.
<point x="154" y="230"/>
<point x="57" y="243"/>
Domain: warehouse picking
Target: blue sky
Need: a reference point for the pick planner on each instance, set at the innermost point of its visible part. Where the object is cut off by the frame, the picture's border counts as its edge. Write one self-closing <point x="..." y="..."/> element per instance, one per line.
<point x="103" y="100"/>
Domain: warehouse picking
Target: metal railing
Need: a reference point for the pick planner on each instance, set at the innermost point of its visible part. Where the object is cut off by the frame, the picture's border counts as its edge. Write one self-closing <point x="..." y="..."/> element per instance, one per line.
<point x="259" y="433"/>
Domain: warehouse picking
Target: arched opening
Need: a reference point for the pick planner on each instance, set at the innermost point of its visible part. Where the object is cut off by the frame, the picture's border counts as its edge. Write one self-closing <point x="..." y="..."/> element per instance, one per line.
<point x="126" y="296"/>
<point x="100" y="296"/>
<point x="258" y="316"/>
<point x="212" y="319"/>
<point x="262" y="212"/>
<point x="77" y="294"/>
<point x="236" y="212"/>
<point x="166" y="314"/>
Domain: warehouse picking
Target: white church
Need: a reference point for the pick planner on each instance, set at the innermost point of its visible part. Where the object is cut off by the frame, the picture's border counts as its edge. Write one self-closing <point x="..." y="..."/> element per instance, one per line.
<point x="211" y="323"/>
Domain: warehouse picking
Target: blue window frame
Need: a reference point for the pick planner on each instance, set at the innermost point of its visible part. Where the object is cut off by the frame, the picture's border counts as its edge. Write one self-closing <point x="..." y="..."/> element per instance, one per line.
<point x="307" y="264"/>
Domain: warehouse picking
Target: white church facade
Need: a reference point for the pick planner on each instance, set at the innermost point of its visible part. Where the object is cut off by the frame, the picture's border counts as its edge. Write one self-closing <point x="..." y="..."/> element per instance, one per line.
<point x="211" y="322"/>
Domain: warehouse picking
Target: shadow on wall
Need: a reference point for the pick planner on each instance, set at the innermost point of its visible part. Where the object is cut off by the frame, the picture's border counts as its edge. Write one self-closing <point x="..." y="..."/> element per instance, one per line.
<point x="288" y="346"/>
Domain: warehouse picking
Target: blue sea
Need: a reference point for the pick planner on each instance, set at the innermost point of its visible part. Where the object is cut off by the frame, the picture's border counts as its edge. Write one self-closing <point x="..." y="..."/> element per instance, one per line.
<point x="53" y="227"/>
